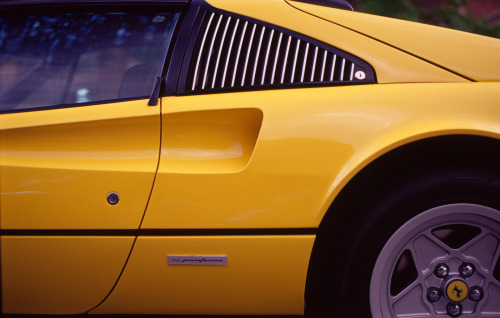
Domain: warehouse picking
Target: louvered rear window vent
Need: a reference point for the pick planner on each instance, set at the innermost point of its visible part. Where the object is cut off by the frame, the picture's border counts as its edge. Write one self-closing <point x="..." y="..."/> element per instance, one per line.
<point x="232" y="52"/>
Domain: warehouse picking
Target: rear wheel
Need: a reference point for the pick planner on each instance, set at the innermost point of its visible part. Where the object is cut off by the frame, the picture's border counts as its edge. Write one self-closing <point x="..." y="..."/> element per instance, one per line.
<point x="444" y="261"/>
<point x="426" y="246"/>
<point x="437" y="239"/>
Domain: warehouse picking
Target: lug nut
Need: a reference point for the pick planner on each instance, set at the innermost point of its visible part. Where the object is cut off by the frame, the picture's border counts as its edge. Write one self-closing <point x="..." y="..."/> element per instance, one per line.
<point x="467" y="270"/>
<point x="441" y="270"/>
<point x="475" y="293"/>
<point x="433" y="294"/>
<point x="453" y="309"/>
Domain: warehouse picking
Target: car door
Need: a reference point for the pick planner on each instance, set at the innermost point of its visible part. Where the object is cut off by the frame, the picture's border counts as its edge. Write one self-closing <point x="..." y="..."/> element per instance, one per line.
<point x="79" y="147"/>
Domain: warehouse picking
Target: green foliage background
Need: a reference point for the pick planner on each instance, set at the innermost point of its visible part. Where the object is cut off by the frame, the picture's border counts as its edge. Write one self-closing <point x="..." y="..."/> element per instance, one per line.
<point x="453" y="15"/>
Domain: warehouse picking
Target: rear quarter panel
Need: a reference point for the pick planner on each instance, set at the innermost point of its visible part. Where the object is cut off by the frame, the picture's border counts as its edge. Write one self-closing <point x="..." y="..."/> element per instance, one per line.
<point x="311" y="142"/>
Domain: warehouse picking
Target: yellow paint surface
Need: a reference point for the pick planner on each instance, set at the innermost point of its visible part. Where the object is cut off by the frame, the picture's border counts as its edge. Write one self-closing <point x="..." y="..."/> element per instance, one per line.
<point x="58" y="166"/>
<point x="59" y="275"/>
<point x="468" y="54"/>
<point x="264" y="275"/>
<point x="311" y="143"/>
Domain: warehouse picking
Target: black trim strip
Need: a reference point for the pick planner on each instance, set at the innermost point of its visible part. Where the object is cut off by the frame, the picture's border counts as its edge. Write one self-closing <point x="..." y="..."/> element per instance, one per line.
<point x="65" y="106"/>
<point x="235" y="232"/>
<point x="161" y="232"/>
<point x="69" y="232"/>
<point x="180" y="42"/>
<point x="339" y="4"/>
<point x="85" y="315"/>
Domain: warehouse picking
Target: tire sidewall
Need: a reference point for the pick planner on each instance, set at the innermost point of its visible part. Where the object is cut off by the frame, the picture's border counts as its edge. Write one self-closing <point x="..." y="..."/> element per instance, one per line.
<point x="386" y="212"/>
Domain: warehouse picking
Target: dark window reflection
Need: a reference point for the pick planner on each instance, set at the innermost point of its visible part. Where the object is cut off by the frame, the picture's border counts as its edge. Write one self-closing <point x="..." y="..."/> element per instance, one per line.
<point x="58" y="59"/>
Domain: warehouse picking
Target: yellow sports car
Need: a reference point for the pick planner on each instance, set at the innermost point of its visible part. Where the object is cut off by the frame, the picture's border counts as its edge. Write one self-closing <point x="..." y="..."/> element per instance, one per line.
<point x="249" y="157"/>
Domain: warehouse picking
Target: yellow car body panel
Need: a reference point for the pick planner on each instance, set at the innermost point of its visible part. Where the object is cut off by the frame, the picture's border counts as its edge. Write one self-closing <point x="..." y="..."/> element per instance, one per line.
<point x="264" y="275"/>
<point x="391" y="65"/>
<point x="311" y="142"/>
<point x="59" y="275"/>
<point x="470" y="55"/>
<point x="220" y="173"/>
<point x="58" y="165"/>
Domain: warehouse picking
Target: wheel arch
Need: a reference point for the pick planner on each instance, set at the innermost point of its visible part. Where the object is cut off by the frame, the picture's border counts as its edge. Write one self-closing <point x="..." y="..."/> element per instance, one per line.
<point x="378" y="177"/>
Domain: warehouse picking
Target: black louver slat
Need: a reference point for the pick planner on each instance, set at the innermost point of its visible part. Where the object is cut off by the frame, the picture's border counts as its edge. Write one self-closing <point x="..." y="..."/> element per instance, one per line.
<point x="232" y="52"/>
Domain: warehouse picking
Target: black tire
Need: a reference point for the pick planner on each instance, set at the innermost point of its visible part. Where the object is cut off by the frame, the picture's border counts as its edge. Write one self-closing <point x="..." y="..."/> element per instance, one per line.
<point x="345" y="255"/>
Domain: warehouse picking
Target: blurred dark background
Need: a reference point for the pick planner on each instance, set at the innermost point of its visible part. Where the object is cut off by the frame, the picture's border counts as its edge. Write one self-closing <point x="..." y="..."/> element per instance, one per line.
<point x="476" y="16"/>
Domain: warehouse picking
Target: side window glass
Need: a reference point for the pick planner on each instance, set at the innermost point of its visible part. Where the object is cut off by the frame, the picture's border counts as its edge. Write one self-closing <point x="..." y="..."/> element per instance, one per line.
<point x="68" y="58"/>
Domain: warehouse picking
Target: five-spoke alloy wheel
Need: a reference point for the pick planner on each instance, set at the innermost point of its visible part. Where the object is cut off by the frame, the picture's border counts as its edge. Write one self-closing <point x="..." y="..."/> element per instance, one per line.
<point x="442" y="262"/>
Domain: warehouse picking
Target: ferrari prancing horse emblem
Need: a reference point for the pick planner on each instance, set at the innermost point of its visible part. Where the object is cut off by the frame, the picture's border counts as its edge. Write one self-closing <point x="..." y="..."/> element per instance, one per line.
<point x="457" y="290"/>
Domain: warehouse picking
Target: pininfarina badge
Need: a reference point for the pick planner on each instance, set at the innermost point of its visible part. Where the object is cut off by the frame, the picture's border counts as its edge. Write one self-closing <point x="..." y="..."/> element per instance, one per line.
<point x="196" y="260"/>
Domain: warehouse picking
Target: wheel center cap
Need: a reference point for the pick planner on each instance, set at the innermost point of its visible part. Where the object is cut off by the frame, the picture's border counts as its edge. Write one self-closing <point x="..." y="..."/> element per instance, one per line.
<point x="457" y="290"/>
